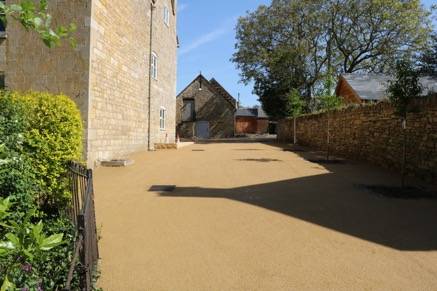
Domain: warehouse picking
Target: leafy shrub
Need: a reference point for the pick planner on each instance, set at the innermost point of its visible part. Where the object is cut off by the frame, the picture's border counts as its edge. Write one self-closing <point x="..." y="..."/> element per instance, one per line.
<point x="39" y="134"/>
<point x="54" y="265"/>
<point x="53" y="138"/>
<point x="16" y="176"/>
<point x="33" y="256"/>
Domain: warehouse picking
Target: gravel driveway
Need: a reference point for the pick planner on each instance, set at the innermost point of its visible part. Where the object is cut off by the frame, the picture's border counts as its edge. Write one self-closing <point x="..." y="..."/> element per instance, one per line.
<point x="250" y="216"/>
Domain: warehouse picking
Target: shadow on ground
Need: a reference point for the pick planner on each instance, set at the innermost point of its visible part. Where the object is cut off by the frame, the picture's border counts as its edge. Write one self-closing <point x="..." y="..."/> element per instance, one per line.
<point x="248" y="150"/>
<point x="246" y="140"/>
<point x="334" y="201"/>
<point x="261" y="160"/>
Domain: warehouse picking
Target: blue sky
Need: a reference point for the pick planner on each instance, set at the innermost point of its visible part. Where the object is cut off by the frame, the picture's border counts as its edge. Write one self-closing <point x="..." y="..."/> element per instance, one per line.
<point x="207" y="38"/>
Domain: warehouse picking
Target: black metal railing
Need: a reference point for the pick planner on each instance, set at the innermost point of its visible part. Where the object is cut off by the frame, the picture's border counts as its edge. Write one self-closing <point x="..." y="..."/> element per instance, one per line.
<point x="82" y="213"/>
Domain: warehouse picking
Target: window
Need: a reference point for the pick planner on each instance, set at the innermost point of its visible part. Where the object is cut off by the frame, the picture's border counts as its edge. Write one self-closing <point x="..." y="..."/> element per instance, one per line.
<point x="166" y="16"/>
<point x="162" y="116"/>
<point x="154" y="66"/>
<point x="2" y="21"/>
<point x="188" y="110"/>
<point x="2" y="80"/>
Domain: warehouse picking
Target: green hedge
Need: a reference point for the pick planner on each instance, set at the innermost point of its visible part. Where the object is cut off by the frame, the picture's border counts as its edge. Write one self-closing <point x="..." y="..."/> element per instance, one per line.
<point x="54" y="138"/>
<point x="16" y="175"/>
<point x="46" y="132"/>
<point x="39" y="134"/>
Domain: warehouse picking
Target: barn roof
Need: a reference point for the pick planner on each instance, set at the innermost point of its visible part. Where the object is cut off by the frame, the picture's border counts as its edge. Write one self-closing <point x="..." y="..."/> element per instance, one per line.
<point x="368" y="86"/>
<point x="222" y="91"/>
<point x="257" y="112"/>
<point x="374" y="86"/>
<point x="246" y="112"/>
<point x="215" y="86"/>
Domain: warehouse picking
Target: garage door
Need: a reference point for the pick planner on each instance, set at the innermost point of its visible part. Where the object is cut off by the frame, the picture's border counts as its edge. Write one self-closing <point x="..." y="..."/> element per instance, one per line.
<point x="202" y="129"/>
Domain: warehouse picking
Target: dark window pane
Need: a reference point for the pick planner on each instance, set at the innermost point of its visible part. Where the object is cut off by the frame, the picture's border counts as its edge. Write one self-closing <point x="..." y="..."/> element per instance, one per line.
<point x="2" y="81"/>
<point x="188" y="110"/>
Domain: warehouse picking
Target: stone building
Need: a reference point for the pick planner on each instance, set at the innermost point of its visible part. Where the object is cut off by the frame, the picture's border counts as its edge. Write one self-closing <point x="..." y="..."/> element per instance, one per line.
<point x="369" y="88"/>
<point x="121" y="74"/>
<point x="205" y="110"/>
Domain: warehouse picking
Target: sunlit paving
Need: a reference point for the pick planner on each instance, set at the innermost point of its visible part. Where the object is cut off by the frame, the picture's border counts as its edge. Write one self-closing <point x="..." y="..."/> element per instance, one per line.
<point x="258" y="145"/>
<point x="233" y="224"/>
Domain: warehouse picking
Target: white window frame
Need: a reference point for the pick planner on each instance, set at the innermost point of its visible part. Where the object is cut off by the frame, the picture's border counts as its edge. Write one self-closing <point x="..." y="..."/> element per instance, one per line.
<point x="166" y="15"/>
<point x="162" y="117"/>
<point x="154" y="66"/>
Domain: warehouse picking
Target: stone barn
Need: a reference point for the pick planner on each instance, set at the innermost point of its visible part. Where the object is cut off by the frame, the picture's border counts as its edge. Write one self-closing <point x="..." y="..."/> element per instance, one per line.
<point x="205" y="110"/>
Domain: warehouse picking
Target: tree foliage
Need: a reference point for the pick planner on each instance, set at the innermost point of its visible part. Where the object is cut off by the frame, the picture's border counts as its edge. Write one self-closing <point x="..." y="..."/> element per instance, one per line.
<point x="404" y="88"/>
<point x="295" y="104"/>
<point x="370" y="35"/>
<point x="297" y="43"/>
<point x="428" y="58"/>
<point x="326" y="97"/>
<point x="35" y="16"/>
<point x="279" y="48"/>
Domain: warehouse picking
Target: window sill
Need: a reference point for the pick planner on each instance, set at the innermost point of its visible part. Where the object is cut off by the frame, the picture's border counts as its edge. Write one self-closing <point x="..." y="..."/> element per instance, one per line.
<point x="3" y="35"/>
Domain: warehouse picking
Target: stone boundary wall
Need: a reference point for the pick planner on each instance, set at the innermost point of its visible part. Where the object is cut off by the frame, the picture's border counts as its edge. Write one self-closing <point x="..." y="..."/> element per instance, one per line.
<point x="373" y="133"/>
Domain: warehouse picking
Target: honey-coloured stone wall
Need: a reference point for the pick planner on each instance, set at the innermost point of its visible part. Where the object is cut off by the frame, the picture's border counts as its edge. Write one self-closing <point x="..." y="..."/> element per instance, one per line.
<point x="374" y="133"/>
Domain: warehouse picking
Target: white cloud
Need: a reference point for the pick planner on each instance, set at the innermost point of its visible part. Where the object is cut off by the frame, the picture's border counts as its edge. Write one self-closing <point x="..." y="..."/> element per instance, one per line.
<point x="207" y="37"/>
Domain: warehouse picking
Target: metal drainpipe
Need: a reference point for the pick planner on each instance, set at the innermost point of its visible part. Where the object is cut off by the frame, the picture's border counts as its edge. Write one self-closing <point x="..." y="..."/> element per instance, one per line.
<point x="152" y="8"/>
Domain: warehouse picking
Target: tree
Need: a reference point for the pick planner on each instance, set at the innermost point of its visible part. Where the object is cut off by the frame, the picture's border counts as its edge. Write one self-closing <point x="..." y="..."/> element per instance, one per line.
<point x="402" y="90"/>
<point x="280" y="47"/>
<point x="35" y="16"/>
<point x="295" y="108"/>
<point x="296" y="43"/>
<point x="369" y="35"/>
<point x="328" y="102"/>
<point x="428" y="58"/>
